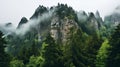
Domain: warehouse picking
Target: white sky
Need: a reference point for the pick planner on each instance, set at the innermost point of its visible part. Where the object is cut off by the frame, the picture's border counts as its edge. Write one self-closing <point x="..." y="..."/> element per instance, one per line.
<point x="14" y="10"/>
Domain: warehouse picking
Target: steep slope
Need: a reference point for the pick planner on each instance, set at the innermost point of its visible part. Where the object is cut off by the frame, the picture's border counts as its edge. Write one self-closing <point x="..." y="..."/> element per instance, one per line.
<point x="58" y="25"/>
<point x="22" y="21"/>
<point x="90" y="23"/>
<point x="112" y="20"/>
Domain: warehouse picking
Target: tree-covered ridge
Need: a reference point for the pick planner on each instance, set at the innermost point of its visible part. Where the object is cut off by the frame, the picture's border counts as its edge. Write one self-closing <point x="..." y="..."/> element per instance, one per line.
<point x="67" y="39"/>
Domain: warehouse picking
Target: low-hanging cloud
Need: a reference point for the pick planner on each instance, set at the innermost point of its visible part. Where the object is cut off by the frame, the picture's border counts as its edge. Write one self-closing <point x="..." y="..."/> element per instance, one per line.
<point x="32" y="23"/>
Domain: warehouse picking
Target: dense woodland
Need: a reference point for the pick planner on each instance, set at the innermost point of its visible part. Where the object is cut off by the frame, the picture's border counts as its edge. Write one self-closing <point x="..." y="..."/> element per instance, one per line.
<point x="92" y="43"/>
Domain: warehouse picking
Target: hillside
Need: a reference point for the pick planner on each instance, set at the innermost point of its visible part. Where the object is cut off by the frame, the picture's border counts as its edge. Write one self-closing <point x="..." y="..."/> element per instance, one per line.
<point x="59" y="36"/>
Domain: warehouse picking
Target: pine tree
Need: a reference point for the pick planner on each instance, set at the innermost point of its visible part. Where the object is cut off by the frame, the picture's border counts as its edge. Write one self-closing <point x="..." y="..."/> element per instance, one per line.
<point x="74" y="50"/>
<point x="102" y="54"/>
<point x="81" y="50"/>
<point x="4" y="57"/>
<point x="51" y="53"/>
<point x="114" y="56"/>
<point x="92" y="48"/>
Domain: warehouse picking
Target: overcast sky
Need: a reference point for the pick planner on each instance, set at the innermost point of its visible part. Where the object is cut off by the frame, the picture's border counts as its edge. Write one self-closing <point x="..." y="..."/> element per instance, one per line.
<point x="14" y="10"/>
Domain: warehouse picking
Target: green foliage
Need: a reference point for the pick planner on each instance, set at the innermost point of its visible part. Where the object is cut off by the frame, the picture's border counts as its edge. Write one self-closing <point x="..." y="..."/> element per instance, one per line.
<point x="4" y="57"/>
<point x="24" y="55"/>
<point x="104" y="32"/>
<point x="65" y="11"/>
<point x="82" y="49"/>
<point x="114" y="56"/>
<point x="39" y="11"/>
<point x="17" y="63"/>
<point x="23" y="47"/>
<point x="73" y="52"/>
<point x="51" y="53"/>
<point x="102" y="54"/>
<point x="91" y="46"/>
<point x="35" y="61"/>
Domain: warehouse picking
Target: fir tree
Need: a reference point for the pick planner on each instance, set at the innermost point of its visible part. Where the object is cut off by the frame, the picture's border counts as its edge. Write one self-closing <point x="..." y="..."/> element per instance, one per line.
<point x="114" y="56"/>
<point x="4" y="57"/>
<point x="52" y="53"/>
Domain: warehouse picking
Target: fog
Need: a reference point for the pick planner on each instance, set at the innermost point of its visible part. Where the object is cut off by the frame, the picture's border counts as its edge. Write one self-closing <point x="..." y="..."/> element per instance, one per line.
<point x="12" y="11"/>
<point x="32" y="23"/>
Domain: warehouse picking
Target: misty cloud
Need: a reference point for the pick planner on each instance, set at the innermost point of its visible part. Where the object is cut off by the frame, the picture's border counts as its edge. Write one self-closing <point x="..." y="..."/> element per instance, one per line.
<point x="32" y="23"/>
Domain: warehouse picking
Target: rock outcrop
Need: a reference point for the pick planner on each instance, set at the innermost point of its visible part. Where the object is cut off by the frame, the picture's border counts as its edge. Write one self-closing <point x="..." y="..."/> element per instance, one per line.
<point x="22" y="21"/>
<point x="60" y="28"/>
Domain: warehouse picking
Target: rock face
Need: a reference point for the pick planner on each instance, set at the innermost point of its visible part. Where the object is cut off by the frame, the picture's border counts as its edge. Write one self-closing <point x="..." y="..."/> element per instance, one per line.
<point x="22" y="21"/>
<point x="60" y="28"/>
<point x="97" y="14"/>
<point x="64" y="18"/>
<point x="99" y="19"/>
<point x="82" y="16"/>
<point x="55" y="28"/>
<point x="90" y="23"/>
